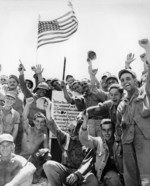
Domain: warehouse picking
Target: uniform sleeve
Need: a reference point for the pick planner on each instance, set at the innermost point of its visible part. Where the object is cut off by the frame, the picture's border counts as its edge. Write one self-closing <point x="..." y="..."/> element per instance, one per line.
<point x="55" y="129"/>
<point x="24" y="88"/>
<point x="101" y="95"/>
<point x="87" y="140"/>
<point x="118" y="129"/>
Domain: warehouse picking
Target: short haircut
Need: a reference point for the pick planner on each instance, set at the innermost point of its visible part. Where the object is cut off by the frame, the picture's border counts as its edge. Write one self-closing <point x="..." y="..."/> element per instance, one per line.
<point x="54" y="80"/>
<point x="39" y="115"/>
<point x="69" y="76"/>
<point x="14" y="77"/>
<point x="106" y="121"/>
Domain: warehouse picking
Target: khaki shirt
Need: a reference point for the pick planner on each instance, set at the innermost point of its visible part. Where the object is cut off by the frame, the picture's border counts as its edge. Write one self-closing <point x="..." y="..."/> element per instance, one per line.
<point x="135" y="111"/>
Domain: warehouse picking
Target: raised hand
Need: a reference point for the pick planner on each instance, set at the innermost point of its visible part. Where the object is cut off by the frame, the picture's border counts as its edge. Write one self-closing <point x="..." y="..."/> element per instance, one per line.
<point x="145" y="62"/>
<point x="85" y="115"/>
<point x="29" y="101"/>
<point x="33" y="68"/>
<point x="47" y="104"/>
<point x="144" y="43"/>
<point x="21" y="67"/>
<point x="91" y="55"/>
<point x="79" y="116"/>
<point x="143" y="57"/>
<point x="39" y="69"/>
<point x="129" y="59"/>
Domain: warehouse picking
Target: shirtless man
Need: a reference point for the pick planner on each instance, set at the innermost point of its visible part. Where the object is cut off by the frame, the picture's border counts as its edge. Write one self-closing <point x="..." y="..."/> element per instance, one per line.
<point x="33" y="138"/>
<point x="14" y="169"/>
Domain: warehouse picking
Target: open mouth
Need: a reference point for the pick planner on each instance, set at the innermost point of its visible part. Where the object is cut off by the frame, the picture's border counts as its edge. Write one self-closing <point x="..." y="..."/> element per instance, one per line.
<point x="127" y="85"/>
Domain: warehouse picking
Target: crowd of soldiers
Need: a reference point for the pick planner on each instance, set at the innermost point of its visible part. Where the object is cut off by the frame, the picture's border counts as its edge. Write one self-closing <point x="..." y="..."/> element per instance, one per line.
<point x="108" y="145"/>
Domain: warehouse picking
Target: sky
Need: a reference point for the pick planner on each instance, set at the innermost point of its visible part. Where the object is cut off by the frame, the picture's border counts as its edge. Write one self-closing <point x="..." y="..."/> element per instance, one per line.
<point x="111" y="28"/>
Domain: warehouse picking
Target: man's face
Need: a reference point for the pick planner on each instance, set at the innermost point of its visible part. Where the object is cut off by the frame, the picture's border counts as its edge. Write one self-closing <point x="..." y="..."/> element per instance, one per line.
<point x="77" y="88"/>
<point x="107" y="131"/>
<point x="9" y="101"/>
<point x="111" y="81"/>
<point x="115" y="96"/>
<point x="57" y="85"/>
<point x="71" y="131"/>
<point x="49" y="84"/>
<point x="12" y="83"/>
<point x="128" y="82"/>
<point x="6" y="148"/>
<point x="85" y="86"/>
<point x="41" y="92"/>
<point x="70" y="80"/>
<point x="39" y="123"/>
<point x="103" y="82"/>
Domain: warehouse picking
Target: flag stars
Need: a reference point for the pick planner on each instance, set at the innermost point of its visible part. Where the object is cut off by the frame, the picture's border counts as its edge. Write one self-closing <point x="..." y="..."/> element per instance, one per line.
<point x="47" y="25"/>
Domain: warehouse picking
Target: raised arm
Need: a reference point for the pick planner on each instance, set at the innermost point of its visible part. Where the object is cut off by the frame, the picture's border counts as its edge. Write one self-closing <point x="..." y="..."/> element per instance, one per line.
<point x="51" y="124"/>
<point x="129" y="59"/>
<point x="66" y="94"/>
<point x="39" y="71"/>
<point x="84" y="137"/>
<point x="23" y="86"/>
<point x="15" y="131"/>
<point x="92" y="73"/>
<point x="101" y="109"/>
<point x="144" y="43"/>
<point x="25" y="113"/>
<point x="145" y="63"/>
<point x="16" y="123"/>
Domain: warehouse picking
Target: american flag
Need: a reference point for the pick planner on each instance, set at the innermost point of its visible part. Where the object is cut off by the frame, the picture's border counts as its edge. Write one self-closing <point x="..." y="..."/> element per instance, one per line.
<point x="57" y="30"/>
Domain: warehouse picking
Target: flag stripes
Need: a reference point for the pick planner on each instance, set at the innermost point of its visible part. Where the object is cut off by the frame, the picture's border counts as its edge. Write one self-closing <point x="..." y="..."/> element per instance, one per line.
<point x="58" y="30"/>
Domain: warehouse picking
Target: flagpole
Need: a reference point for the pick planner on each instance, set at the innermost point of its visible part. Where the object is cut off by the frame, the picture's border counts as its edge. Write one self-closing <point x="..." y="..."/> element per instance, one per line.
<point x="36" y="62"/>
<point x="70" y="5"/>
<point x="64" y="68"/>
